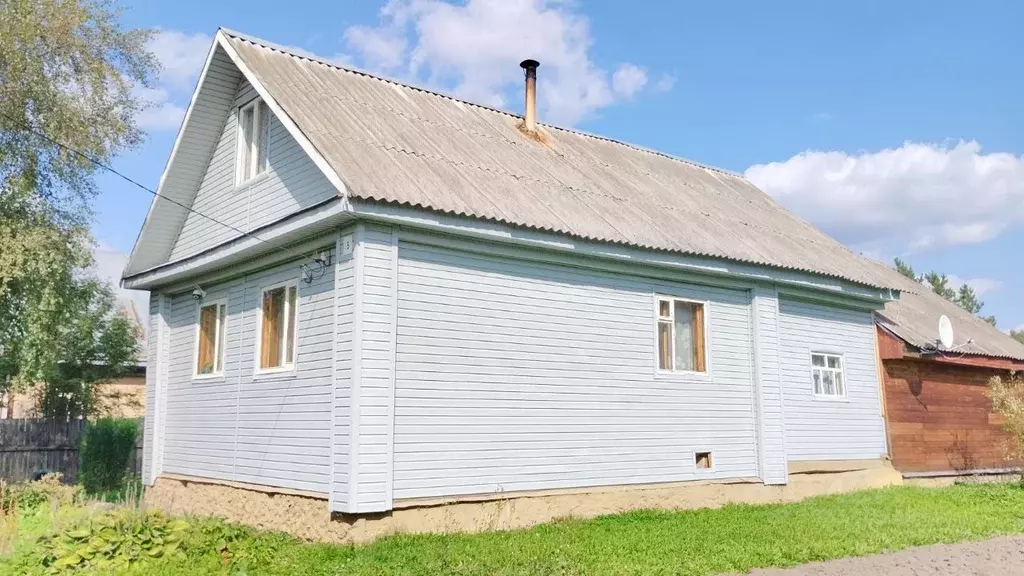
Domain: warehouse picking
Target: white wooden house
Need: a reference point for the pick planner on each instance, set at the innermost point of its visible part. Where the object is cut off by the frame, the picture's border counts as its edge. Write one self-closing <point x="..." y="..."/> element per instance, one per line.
<point x="380" y="295"/>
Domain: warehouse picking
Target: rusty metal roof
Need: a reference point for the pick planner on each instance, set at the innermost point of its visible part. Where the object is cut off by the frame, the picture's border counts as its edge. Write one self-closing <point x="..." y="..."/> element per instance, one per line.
<point x="399" y="144"/>
<point x="915" y="319"/>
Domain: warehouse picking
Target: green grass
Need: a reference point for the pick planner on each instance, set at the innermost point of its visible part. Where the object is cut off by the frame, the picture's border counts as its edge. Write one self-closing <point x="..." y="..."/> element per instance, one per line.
<point x="734" y="538"/>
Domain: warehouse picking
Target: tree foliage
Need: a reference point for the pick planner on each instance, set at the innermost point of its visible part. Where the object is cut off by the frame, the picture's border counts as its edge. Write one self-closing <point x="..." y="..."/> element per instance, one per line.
<point x="1007" y="395"/>
<point x="905" y="269"/>
<point x="1017" y="335"/>
<point x="964" y="296"/>
<point x="69" y="72"/>
<point x="95" y="344"/>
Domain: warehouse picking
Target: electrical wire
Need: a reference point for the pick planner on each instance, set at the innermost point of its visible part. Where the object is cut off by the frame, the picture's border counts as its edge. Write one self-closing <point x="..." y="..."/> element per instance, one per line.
<point x="99" y="164"/>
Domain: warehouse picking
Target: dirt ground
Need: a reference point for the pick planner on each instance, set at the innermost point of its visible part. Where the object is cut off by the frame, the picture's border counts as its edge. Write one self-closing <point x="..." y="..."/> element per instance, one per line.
<point x="997" y="557"/>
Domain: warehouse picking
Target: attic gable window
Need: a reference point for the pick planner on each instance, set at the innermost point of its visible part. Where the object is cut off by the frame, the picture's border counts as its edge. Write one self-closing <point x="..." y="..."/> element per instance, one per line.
<point x="681" y="335"/>
<point x="253" y="124"/>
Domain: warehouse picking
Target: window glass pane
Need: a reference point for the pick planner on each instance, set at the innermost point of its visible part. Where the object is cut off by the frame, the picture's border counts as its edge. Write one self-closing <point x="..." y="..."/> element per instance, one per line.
<point x="833" y="362"/>
<point x="817" y="360"/>
<point x="261" y="138"/>
<point x="699" y="354"/>
<point x="664" y="346"/>
<point x="684" y="336"/>
<point x="664" y="308"/>
<point x="245" y="148"/>
<point x="222" y="317"/>
<point x="839" y="384"/>
<point x="207" y="339"/>
<point x="828" y="382"/>
<point x="816" y="375"/>
<point x="292" y="319"/>
<point x="273" y="320"/>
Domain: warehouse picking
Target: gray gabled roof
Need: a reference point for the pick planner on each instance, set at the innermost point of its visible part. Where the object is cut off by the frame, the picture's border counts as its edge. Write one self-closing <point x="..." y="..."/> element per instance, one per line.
<point x="387" y="142"/>
<point x="914" y="318"/>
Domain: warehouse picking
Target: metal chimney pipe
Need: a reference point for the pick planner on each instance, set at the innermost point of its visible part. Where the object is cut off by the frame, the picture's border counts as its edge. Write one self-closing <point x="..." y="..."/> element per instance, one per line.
<point x="530" y="116"/>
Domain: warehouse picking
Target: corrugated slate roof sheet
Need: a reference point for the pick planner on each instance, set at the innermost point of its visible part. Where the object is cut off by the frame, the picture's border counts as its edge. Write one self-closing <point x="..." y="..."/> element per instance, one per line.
<point x="398" y="144"/>
<point x="915" y="319"/>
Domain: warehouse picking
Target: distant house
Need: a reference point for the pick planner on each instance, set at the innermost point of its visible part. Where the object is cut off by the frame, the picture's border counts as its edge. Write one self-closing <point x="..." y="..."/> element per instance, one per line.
<point x="382" y="300"/>
<point x="940" y="423"/>
<point x="123" y="398"/>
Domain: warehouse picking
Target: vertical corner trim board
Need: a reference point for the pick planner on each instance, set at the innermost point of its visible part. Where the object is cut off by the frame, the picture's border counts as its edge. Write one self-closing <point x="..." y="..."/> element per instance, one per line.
<point x="771" y="435"/>
<point x="156" y="377"/>
<point x="343" y="354"/>
<point x="371" y="395"/>
<point x="151" y="393"/>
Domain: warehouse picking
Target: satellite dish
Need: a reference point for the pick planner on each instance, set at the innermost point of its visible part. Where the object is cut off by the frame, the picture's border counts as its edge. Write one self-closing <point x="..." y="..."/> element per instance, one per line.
<point x="945" y="331"/>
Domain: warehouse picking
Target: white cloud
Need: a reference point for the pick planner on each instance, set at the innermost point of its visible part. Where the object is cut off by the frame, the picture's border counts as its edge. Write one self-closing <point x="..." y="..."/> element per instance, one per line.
<point x="381" y="48"/>
<point x="665" y="83"/>
<point x="628" y="80"/>
<point x="162" y="114"/>
<point x="912" y="198"/>
<point x="474" y="49"/>
<point x="109" y="265"/>
<point x="181" y="56"/>
<point x="980" y="285"/>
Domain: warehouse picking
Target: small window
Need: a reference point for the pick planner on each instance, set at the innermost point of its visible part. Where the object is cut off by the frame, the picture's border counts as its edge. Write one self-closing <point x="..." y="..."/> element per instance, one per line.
<point x="253" y="123"/>
<point x="681" y="339"/>
<point x="702" y="460"/>
<point x="827" y="374"/>
<point x="212" y="329"/>
<point x="278" y="315"/>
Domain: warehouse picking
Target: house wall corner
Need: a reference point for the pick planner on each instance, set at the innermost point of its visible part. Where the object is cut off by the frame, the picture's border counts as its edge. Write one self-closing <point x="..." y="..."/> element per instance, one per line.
<point x="769" y="410"/>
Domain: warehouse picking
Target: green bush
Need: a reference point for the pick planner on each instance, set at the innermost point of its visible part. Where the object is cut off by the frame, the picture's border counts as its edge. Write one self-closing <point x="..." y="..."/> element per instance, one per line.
<point x="25" y="496"/>
<point x="113" y="540"/>
<point x="106" y="447"/>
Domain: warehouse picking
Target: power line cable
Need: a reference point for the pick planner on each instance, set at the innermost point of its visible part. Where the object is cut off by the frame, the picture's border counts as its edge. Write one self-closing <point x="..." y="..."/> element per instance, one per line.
<point x="96" y="162"/>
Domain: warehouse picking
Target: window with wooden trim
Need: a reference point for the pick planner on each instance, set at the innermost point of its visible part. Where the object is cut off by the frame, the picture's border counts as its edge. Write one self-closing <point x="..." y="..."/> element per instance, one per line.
<point x="210" y="340"/>
<point x="278" y="318"/>
<point x="253" y="128"/>
<point x="681" y="335"/>
<point x="827" y="374"/>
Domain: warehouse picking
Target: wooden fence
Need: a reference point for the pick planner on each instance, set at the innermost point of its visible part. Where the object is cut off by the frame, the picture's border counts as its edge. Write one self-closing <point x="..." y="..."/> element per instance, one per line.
<point x="32" y="445"/>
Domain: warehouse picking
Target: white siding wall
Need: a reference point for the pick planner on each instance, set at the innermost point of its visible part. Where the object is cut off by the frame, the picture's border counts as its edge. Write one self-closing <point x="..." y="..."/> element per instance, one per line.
<point x="292" y="182"/>
<point x="827" y="429"/>
<point x="263" y="429"/>
<point x="518" y="376"/>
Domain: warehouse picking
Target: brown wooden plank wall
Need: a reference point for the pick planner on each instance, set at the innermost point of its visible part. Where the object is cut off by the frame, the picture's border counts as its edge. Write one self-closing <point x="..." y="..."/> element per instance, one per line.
<point x="940" y="419"/>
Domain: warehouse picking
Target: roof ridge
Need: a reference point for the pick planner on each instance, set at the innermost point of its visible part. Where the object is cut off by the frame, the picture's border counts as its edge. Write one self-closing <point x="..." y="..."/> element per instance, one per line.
<point x="320" y="60"/>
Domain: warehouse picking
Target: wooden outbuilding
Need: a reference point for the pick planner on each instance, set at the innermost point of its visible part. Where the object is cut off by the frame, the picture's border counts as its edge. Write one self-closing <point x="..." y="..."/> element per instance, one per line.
<point x="939" y="420"/>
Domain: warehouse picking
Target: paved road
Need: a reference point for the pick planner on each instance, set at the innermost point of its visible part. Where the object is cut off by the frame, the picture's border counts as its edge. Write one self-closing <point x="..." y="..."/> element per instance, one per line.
<point x="997" y="557"/>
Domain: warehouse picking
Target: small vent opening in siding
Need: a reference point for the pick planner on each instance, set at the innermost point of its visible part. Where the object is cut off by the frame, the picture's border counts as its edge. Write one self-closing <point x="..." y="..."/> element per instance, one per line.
<point x="702" y="460"/>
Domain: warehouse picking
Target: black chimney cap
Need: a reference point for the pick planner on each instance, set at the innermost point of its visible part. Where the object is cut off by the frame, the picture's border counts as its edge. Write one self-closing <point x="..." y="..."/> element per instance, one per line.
<point x="529" y="63"/>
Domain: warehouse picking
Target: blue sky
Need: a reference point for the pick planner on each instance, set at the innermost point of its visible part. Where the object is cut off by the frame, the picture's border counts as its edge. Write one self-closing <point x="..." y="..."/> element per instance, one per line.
<point x="896" y="127"/>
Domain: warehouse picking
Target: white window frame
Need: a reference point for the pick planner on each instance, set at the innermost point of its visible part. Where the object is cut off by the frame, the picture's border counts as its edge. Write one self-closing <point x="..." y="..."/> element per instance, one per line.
<point x="218" y="346"/>
<point x="658" y="298"/>
<point x="290" y="367"/>
<point x="261" y="136"/>
<point x="841" y="371"/>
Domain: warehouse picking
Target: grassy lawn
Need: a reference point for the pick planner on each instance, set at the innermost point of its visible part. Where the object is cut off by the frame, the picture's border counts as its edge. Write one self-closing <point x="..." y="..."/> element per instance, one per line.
<point x="734" y="538"/>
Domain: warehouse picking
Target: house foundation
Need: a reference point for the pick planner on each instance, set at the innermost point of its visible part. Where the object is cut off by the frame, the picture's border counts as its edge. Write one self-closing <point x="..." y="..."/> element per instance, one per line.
<point x="305" y="515"/>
